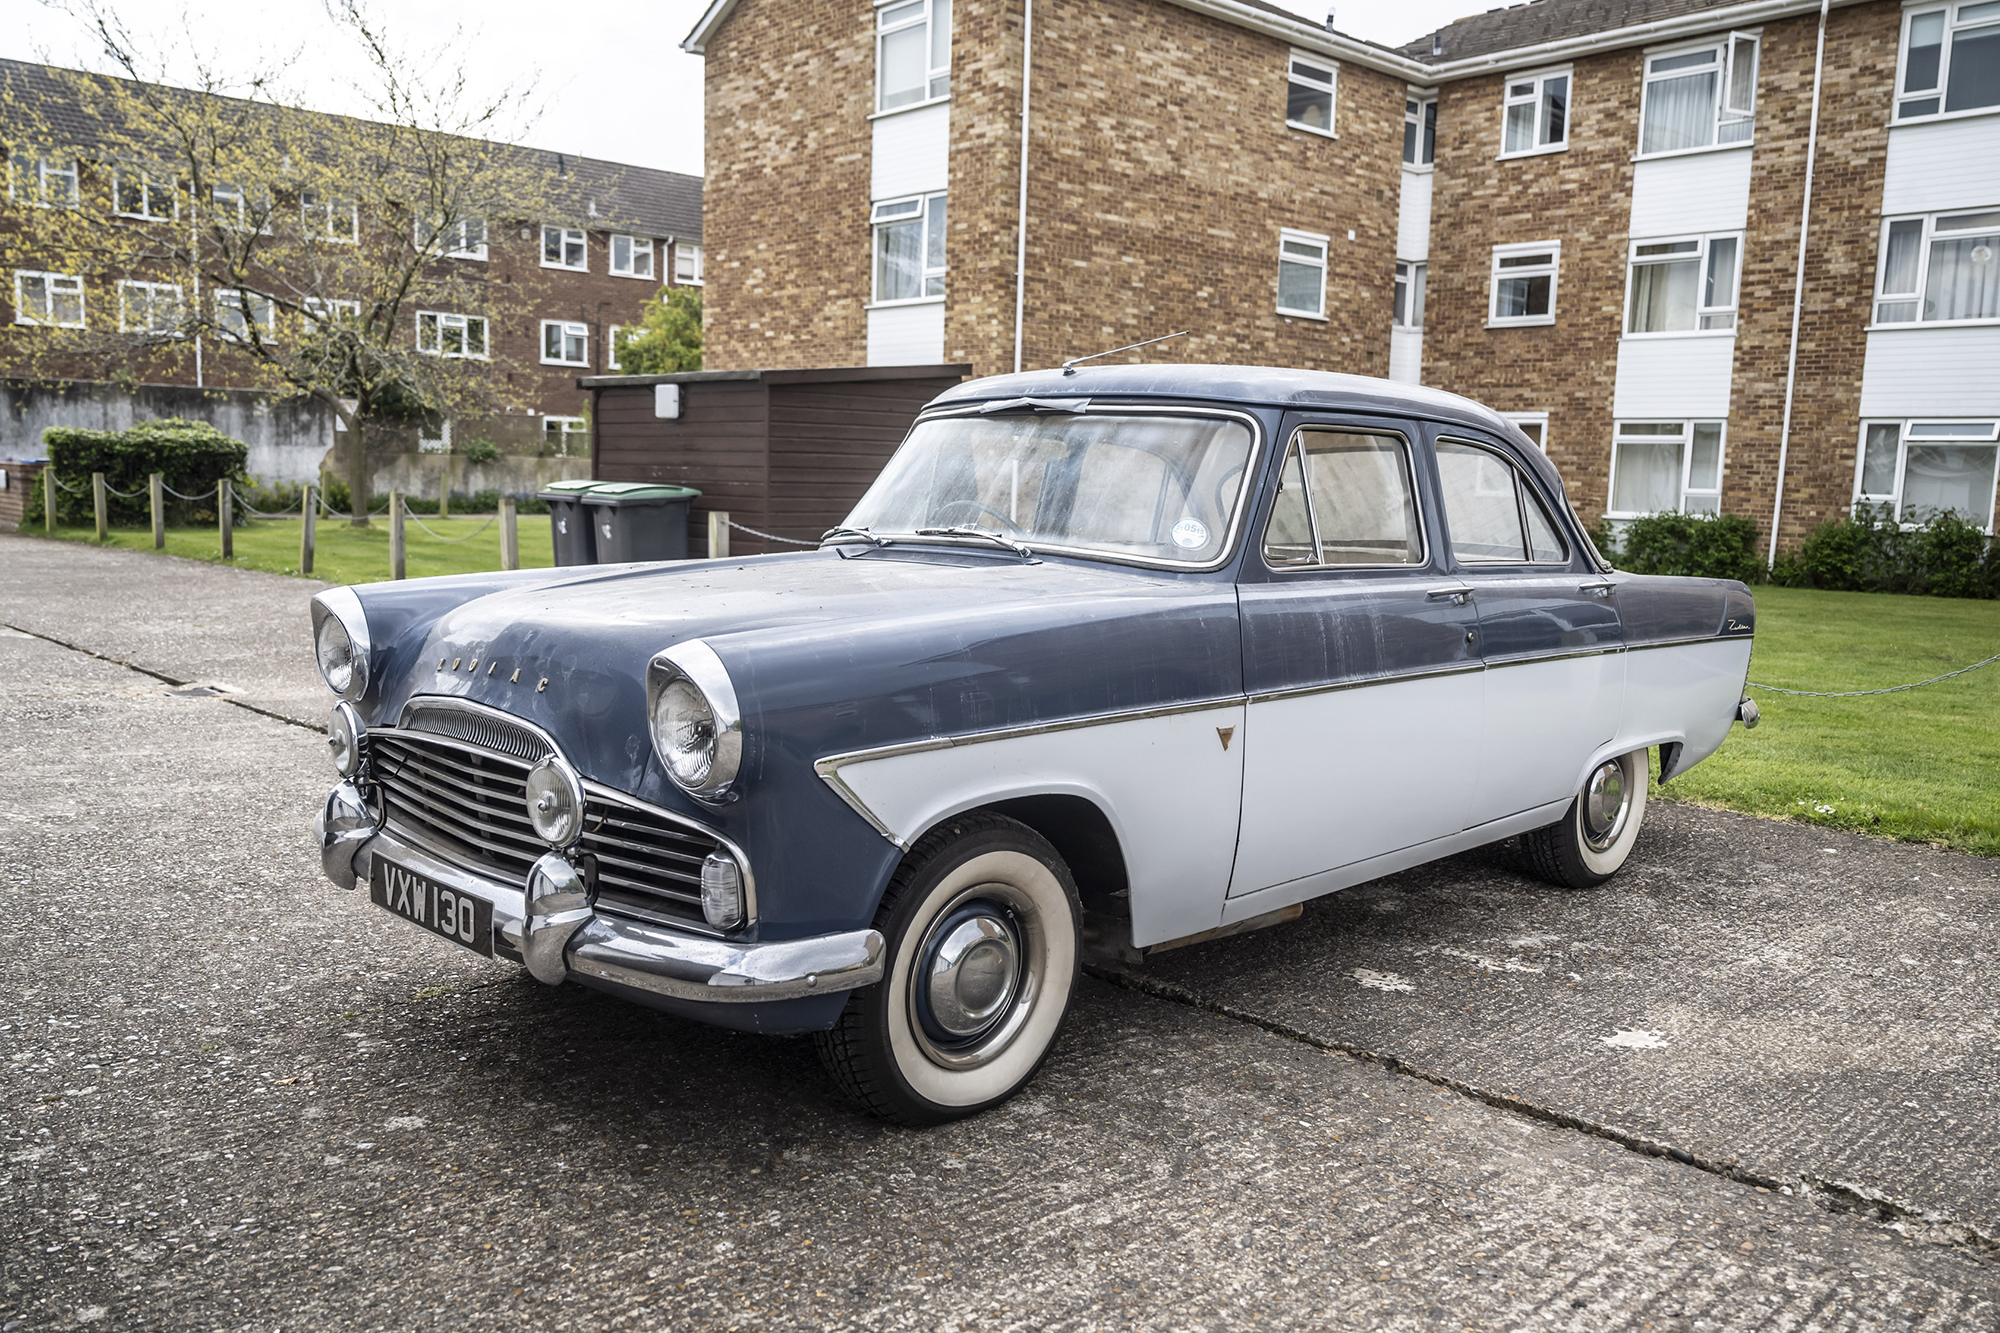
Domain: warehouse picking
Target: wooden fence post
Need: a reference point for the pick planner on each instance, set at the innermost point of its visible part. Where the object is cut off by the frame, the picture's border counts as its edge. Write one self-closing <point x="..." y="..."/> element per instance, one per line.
<point x="98" y="501"/>
<point x="395" y="534"/>
<point x="510" y="535"/>
<point x="156" y="485"/>
<point x="49" y="498"/>
<point x="718" y="534"/>
<point x="225" y="516"/>
<point x="308" y="521"/>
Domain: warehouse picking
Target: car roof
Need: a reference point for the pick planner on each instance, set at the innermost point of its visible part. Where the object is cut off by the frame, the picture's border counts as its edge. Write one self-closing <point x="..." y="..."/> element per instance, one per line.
<point x="1262" y="386"/>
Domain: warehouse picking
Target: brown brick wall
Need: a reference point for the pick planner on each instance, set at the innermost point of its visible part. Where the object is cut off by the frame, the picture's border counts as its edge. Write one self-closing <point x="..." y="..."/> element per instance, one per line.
<point x="789" y="87"/>
<point x="1582" y="197"/>
<point x="1840" y="265"/>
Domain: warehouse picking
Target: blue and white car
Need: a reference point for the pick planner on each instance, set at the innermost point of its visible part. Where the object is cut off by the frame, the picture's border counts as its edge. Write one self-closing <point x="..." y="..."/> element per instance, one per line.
<point x="1118" y="659"/>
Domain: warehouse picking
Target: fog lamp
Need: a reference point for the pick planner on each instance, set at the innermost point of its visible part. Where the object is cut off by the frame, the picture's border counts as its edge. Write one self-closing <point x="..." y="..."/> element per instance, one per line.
<point x="555" y="802"/>
<point x="347" y="738"/>
<point x="722" y="891"/>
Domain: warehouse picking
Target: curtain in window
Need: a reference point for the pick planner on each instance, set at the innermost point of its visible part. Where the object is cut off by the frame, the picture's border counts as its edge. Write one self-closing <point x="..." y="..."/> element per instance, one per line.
<point x="899" y="261"/>
<point x="1878" y="460"/>
<point x="1964" y="279"/>
<point x="1649" y="477"/>
<point x="1663" y="296"/>
<point x="1938" y="477"/>
<point x="1680" y="113"/>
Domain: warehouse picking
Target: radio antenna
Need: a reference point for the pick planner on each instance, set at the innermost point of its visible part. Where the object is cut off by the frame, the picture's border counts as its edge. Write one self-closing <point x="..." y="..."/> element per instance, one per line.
<point x="1069" y="366"/>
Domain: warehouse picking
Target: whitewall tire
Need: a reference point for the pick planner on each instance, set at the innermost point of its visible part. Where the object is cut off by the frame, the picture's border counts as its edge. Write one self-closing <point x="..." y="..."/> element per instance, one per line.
<point x="1595" y="835"/>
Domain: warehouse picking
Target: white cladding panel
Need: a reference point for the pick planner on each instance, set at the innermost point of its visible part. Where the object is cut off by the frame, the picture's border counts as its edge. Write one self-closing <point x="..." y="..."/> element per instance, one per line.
<point x="906" y="335"/>
<point x="1695" y="193"/>
<point x="1169" y="788"/>
<point x="911" y="152"/>
<point x="1945" y="164"/>
<point x="1919" y="372"/>
<point x="1674" y="377"/>
<point x="1406" y="355"/>
<point x="1413" y="216"/>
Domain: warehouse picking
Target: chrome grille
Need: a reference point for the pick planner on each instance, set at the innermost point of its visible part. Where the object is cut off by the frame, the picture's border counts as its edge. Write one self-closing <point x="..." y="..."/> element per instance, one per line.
<point x="450" y="718"/>
<point x="468" y="805"/>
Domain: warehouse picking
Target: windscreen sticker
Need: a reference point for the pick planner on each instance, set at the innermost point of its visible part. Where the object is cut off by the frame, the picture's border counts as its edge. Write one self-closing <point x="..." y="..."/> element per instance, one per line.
<point x="1190" y="534"/>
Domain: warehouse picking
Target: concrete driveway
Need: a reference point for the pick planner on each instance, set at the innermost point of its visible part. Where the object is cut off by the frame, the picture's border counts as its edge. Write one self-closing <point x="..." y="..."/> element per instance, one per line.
<point x="1749" y="1084"/>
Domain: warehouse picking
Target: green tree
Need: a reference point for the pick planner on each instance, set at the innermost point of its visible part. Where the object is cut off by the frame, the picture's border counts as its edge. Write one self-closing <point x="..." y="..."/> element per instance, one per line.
<point x="669" y="341"/>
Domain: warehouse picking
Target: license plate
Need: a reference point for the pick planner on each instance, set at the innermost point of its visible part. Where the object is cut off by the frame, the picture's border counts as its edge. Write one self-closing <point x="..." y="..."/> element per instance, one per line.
<point x="458" y="917"/>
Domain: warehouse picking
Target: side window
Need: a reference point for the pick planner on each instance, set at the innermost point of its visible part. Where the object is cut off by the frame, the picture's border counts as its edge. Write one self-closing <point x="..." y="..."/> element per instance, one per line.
<point x="1494" y="515"/>
<point x="1345" y="500"/>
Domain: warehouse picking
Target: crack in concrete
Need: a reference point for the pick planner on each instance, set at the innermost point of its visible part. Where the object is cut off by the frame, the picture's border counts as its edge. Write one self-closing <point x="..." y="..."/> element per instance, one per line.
<point x="1926" y="1226"/>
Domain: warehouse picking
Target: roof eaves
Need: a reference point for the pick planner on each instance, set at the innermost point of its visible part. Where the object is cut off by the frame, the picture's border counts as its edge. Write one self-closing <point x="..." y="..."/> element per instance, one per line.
<point x="1613" y="39"/>
<point x="1302" y="33"/>
<point x="696" y="42"/>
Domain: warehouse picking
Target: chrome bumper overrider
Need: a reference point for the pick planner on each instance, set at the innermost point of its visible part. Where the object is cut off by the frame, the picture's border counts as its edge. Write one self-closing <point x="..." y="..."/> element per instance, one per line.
<point x="551" y="928"/>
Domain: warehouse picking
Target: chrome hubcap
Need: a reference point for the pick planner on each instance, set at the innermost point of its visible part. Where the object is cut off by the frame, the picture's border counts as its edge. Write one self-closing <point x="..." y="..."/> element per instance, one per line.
<point x="1605" y="800"/>
<point x="976" y="976"/>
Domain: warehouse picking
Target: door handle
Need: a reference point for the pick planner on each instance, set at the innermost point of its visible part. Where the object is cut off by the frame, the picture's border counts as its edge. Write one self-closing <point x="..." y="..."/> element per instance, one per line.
<point x="1602" y="587"/>
<point x="1458" y="596"/>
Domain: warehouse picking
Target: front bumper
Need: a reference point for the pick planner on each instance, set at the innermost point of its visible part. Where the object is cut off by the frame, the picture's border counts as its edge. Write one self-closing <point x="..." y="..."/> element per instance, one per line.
<point x="558" y="938"/>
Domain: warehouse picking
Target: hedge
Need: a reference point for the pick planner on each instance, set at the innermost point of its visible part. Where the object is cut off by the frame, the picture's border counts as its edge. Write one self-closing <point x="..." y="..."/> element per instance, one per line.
<point x="1715" y="546"/>
<point x="193" y="454"/>
<point x="1871" y="552"/>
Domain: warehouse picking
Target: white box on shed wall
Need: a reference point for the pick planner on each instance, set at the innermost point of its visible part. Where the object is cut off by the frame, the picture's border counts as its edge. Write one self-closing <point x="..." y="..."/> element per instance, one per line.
<point x="1920" y="372"/>
<point x="906" y="335"/>
<point x="1674" y="378"/>
<point x="912" y="153"/>
<point x="1698" y="192"/>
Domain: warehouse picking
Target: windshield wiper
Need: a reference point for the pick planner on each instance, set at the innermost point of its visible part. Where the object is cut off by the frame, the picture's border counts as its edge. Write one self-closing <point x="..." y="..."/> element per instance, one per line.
<point x="967" y="530"/>
<point x="865" y="534"/>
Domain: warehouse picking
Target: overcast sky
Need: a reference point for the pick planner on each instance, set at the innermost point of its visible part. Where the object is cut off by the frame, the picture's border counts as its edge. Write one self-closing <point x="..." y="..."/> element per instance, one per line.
<point x="612" y="81"/>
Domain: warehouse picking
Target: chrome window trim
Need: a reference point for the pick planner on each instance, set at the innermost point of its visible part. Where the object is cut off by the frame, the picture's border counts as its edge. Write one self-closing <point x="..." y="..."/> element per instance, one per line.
<point x="1092" y="406"/>
<point x="1312" y="512"/>
<point x="1520" y="512"/>
<point x="611" y="795"/>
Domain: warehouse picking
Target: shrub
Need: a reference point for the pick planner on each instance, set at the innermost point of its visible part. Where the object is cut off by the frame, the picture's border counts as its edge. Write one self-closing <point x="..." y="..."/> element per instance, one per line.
<point x="1870" y="552"/>
<point x="1715" y="546"/>
<point x="193" y="454"/>
<point x="478" y="451"/>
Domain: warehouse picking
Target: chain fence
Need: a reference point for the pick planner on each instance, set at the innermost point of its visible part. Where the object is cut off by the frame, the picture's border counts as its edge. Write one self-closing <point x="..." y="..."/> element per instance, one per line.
<point x="1862" y="694"/>
<point x="770" y="536"/>
<point x="441" y="537"/>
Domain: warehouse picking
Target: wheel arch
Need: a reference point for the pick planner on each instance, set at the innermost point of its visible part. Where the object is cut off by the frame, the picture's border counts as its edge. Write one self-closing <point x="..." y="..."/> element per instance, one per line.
<point x="1081" y="832"/>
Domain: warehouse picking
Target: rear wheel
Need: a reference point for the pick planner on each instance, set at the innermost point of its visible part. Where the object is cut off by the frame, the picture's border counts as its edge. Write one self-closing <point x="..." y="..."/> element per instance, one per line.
<point x="981" y="923"/>
<point x="1595" y="835"/>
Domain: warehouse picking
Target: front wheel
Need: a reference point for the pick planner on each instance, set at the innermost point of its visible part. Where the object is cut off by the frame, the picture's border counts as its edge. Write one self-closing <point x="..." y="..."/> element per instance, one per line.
<point x="981" y="923"/>
<point x="1595" y="835"/>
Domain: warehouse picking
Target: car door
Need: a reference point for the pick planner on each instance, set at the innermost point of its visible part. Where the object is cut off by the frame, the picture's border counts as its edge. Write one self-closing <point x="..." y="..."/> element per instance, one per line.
<point x="1549" y="631"/>
<point x="1363" y="682"/>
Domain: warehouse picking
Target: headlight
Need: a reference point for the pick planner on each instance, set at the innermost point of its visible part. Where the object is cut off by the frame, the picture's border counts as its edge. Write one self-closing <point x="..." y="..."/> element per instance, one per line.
<point x="555" y="802"/>
<point x="340" y="639"/>
<point x="722" y="891"/>
<point x="697" y="729"/>
<point x="347" y="738"/>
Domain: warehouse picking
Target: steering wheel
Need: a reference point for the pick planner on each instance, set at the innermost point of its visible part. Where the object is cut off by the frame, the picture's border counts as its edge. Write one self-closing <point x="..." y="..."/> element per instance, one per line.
<point x="977" y="509"/>
<point x="1224" y="488"/>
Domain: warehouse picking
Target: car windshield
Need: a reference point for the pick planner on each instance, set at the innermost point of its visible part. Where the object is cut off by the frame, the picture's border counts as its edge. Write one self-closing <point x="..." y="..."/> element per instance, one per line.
<point x="1154" y="487"/>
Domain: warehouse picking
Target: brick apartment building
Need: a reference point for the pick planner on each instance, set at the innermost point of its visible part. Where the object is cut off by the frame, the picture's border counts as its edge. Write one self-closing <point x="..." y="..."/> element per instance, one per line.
<point x="570" y="281"/>
<point x="1586" y="213"/>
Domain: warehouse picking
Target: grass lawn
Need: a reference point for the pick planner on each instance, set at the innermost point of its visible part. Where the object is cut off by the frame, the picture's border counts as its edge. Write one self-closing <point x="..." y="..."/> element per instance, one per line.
<point x="1923" y="765"/>
<point x="344" y="554"/>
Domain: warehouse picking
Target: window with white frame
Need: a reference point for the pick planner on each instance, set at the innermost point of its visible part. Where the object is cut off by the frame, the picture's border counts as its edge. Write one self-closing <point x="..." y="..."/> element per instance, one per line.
<point x="909" y="249"/>
<point x="149" y="307"/>
<point x="1700" y="98"/>
<point x="51" y="299"/>
<point x="461" y="238"/>
<point x="325" y="311"/>
<point x="1939" y="269"/>
<point x="1410" y="278"/>
<point x="443" y="334"/>
<point x="136" y="194"/>
<point x="236" y="311"/>
<point x="231" y="204"/>
<point x="566" y="437"/>
<point x="1420" y="129"/>
<point x="1302" y="273"/>
<point x="329" y="217"/>
<point x="1524" y="283"/>
<point x="1536" y="113"/>
<point x="1309" y="93"/>
<point x="1660" y="467"/>
<point x="632" y="256"/>
<point x="565" y="343"/>
<point x="564" y="247"/>
<point x="687" y="264"/>
<point x="42" y="179"/>
<point x="1534" y="425"/>
<point x="434" y="437"/>
<point x="1951" y="59"/>
<point x="1686" y="285"/>
<point x="1919" y="469"/>
<point x="912" y="52"/>
<point x="611" y="359"/>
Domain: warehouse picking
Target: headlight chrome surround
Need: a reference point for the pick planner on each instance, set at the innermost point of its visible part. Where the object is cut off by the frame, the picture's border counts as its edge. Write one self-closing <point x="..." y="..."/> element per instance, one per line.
<point x="555" y="802"/>
<point x="348" y="739"/>
<point x="694" y="719"/>
<point x="340" y="642"/>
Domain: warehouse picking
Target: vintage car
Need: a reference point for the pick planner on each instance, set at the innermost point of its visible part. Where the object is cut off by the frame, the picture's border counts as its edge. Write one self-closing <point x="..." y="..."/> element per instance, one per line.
<point x="1111" y="659"/>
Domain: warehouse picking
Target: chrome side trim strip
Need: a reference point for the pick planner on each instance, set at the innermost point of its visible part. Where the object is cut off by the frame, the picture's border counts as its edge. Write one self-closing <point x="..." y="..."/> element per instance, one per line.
<point x="1526" y="659"/>
<point x="1361" y="682"/>
<point x="1688" y="639"/>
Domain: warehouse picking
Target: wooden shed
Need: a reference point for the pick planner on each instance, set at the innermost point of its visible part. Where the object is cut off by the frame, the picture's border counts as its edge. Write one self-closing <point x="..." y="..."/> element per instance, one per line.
<point x="787" y="452"/>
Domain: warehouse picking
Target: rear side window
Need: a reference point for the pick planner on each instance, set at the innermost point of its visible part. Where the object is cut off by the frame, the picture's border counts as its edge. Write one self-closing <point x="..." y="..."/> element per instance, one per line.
<point x="1494" y="514"/>
<point x="1345" y="499"/>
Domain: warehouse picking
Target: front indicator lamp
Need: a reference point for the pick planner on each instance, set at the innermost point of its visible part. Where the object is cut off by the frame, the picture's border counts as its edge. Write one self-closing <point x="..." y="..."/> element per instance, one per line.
<point x="555" y="802"/>
<point x="722" y="891"/>
<point x="347" y="738"/>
